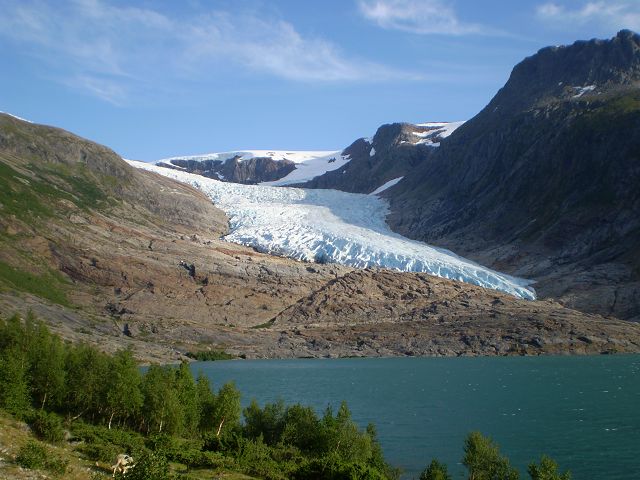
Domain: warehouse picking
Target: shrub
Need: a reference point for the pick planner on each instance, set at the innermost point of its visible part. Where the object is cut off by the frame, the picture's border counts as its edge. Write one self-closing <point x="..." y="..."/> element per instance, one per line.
<point x="334" y="468"/>
<point x="210" y="355"/>
<point x="547" y="470"/>
<point x="34" y="455"/>
<point x="150" y="466"/>
<point x="101" y="452"/>
<point x="47" y="426"/>
<point x="483" y="459"/>
<point x="435" y="471"/>
<point x="56" y="464"/>
<point x="254" y="458"/>
<point x="124" y="441"/>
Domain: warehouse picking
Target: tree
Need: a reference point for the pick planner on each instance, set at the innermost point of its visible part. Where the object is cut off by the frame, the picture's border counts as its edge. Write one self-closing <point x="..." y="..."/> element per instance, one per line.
<point x="206" y="402"/>
<point x="343" y="439"/>
<point x="301" y="428"/>
<point x="435" y="471"/>
<point x="483" y="460"/>
<point x="123" y="396"/>
<point x="267" y="422"/>
<point x="47" y="373"/>
<point x="162" y="409"/>
<point x="15" y="395"/>
<point x="547" y="470"/>
<point x="87" y="370"/>
<point x="188" y="397"/>
<point x="226" y="412"/>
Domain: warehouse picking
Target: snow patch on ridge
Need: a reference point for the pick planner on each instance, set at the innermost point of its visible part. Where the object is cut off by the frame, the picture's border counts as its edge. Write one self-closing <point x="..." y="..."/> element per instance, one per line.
<point x="333" y="226"/>
<point x="438" y="131"/>
<point x="385" y="186"/>
<point x="16" y="117"/>
<point x="583" y="90"/>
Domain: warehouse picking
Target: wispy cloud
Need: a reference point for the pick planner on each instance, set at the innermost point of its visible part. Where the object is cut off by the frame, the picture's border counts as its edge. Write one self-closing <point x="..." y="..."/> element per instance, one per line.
<point x="113" y="51"/>
<point x="609" y="14"/>
<point x="419" y="16"/>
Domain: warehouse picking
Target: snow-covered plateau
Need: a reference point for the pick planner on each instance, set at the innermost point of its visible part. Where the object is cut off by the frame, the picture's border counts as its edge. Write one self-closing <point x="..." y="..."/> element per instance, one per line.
<point x="333" y="226"/>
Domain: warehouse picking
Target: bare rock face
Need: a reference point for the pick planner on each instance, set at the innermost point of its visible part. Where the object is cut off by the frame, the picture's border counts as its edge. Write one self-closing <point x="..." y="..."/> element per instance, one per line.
<point x="123" y="258"/>
<point x="383" y="313"/>
<point x="393" y="152"/>
<point x="542" y="183"/>
<point x="236" y="170"/>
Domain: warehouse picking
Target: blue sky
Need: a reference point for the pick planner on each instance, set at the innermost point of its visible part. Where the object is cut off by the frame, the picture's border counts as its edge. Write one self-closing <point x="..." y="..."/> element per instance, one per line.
<point x="152" y="79"/>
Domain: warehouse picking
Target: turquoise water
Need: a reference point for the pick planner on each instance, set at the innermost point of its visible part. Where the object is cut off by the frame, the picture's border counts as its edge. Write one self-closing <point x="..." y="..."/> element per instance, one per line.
<point x="582" y="411"/>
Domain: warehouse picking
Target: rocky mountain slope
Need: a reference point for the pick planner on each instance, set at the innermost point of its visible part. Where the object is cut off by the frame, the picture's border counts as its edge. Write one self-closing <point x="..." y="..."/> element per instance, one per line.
<point x="543" y="182"/>
<point x="362" y="167"/>
<point x="395" y="150"/>
<point x="119" y="257"/>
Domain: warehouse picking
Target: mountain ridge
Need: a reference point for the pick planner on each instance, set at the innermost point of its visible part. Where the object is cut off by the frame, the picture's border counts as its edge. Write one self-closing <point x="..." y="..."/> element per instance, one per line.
<point x="147" y="270"/>
<point x="541" y="182"/>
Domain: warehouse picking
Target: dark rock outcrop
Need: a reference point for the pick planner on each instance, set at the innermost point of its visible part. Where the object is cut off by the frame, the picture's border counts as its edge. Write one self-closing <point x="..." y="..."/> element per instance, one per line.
<point x="396" y="153"/>
<point x="543" y="182"/>
<point x="235" y="169"/>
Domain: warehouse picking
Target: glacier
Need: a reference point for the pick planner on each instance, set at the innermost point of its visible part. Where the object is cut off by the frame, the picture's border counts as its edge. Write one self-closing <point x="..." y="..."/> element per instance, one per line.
<point x="330" y="226"/>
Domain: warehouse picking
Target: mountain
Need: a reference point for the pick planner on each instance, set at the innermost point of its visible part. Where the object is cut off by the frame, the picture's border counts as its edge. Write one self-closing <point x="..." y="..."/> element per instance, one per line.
<point x="395" y="150"/>
<point x="543" y="182"/>
<point x="328" y="226"/>
<point x="268" y="167"/>
<point x="360" y="168"/>
<point x="120" y="257"/>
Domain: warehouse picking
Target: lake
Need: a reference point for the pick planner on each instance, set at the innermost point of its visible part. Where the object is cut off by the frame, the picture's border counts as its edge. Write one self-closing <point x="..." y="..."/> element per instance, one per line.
<point x="582" y="411"/>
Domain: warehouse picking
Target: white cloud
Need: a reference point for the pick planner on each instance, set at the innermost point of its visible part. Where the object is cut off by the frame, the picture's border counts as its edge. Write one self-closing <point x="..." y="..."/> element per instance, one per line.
<point x="610" y="14"/>
<point x="116" y="52"/>
<point x="418" y="16"/>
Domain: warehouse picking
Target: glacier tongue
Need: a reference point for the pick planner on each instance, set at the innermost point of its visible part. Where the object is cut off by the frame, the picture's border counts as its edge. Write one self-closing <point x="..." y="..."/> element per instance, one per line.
<point x="333" y="226"/>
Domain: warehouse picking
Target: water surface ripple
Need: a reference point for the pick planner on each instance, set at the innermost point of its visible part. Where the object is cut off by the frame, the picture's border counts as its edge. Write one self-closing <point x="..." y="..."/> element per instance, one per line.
<point x="582" y="411"/>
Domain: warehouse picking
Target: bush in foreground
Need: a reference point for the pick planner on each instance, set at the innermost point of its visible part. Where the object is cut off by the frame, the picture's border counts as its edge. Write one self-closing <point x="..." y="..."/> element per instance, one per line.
<point x="35" y="455"/>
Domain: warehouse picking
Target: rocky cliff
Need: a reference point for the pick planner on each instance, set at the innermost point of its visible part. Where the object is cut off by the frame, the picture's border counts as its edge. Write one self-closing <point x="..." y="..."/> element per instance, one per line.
<point x="543" y="182"/>
<point x="395" y="150"/>
<point x="234" y="169"/>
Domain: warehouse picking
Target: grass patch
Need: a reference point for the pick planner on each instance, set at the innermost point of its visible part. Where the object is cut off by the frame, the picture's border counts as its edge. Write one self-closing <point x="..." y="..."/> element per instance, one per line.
<point x="210" y="355"/>
<point x="20" y="195"/>
<point x="267" y="324"/>
<point x="48" y="285"/>
<point x="34" y="455"/>
<point x="84" y="189"/>
<point x="32" y="198"/>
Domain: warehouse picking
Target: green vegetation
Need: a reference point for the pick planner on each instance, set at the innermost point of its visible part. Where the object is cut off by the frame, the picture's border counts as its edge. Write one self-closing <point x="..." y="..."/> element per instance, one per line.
<point x="48" y="285"/>
<point x="32" y="197"/>
<point x="483" y="461"/>
<point x="210" y="355"/>
<point x="20" y="195"/>
<point x="174" y="425"/>
<point x="267" y="324"/>
<point x="37" y="456"/>
<point x="435" y="471"/>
